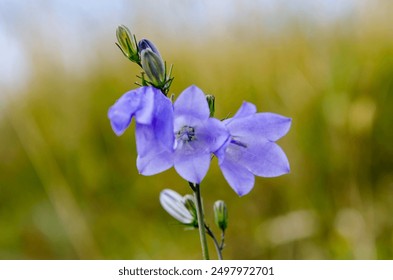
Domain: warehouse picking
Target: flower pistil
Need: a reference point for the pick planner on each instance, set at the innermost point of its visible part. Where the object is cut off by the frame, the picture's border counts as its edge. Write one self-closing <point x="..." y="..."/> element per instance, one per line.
<point x="186" y="134"/>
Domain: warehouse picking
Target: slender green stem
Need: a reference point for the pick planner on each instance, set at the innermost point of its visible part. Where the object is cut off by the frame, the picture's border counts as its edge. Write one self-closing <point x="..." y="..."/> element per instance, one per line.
<point x="218" y="247"/>
<point x="201" y="221"/>
<point x="222" y="240"/>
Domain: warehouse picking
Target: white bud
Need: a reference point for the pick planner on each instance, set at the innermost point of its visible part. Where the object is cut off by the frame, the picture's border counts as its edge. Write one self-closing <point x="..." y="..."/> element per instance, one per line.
<point x="173" y="203"/>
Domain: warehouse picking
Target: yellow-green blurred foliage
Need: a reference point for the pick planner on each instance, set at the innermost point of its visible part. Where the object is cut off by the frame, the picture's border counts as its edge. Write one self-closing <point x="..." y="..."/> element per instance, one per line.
<point x="69" y="188"/>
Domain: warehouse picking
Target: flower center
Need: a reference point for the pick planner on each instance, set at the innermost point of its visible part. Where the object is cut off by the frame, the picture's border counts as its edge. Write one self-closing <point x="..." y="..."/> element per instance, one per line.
<point x="186" y="134"/>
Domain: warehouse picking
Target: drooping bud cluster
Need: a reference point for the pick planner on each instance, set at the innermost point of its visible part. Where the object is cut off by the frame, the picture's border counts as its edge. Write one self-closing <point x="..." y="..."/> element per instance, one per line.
<point x="146" y="55"/>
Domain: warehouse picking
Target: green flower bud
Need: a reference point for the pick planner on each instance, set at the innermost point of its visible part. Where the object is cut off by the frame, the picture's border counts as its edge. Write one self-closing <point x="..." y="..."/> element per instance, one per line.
<point x="220" y="214"/>
<point x="127" y="43"/>
<point x="211" y="101"/>
<point x="154" y="67"/>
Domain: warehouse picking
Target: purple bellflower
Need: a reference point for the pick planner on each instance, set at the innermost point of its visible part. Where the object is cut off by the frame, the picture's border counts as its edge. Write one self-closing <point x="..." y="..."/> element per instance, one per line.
<point x="197" y="135"/>
<point x="153" y="113"/>
<point x="251" y="149"/>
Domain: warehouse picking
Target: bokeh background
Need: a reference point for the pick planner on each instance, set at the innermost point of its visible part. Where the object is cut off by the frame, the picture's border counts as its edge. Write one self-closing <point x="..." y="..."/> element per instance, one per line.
<point x="69" y="188"/>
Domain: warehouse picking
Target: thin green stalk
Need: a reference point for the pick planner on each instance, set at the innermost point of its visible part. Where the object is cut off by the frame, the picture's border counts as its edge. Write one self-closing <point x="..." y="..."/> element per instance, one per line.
<point x="201" y="221"/>
<point x="218" y="247"/>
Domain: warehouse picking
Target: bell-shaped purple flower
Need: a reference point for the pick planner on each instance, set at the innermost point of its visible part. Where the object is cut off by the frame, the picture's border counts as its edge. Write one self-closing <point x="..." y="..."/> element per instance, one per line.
<point x="251" y="149"/>
<point x="197" y="135"/>
<point x="153" y="114"/>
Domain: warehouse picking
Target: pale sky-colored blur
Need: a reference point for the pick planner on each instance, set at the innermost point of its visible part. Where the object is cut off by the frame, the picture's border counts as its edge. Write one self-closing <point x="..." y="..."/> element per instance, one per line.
<point x="71" y="30"/>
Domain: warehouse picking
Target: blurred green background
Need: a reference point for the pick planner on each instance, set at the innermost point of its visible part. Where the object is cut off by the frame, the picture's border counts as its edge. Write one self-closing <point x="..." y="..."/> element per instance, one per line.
<point x="69" y="188"/>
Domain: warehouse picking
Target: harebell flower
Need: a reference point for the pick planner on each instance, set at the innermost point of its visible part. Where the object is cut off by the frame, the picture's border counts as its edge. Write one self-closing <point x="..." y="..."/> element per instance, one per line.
<point x="185" y="135"/>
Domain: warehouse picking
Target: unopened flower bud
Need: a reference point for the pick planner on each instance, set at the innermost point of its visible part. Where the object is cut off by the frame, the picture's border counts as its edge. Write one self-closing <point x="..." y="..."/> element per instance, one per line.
<point x="211" y="100"/>
<point x="174" y="204"/>
<point x="127" y="43"/>
<point x="220" y="214"/>
<point x="153" y="66"/>
<point x="147" y="44"/>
